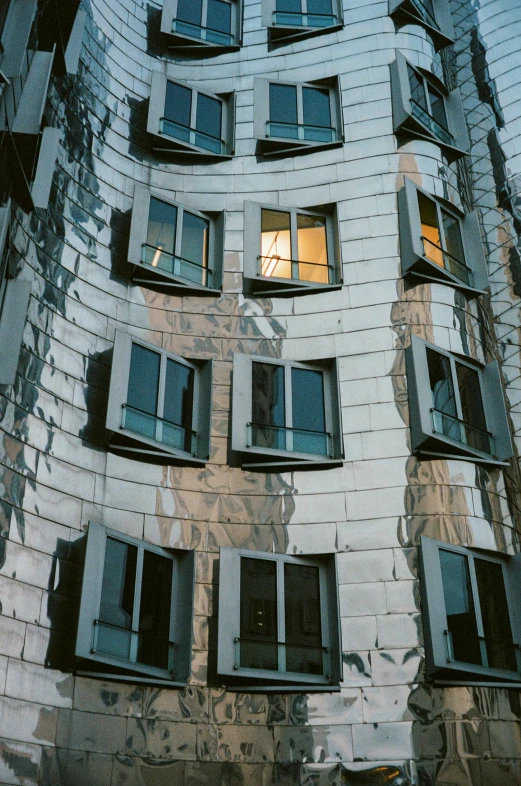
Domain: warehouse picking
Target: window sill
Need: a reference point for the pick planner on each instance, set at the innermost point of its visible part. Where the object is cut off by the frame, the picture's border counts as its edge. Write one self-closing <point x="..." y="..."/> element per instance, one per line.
<point x="281" y="688"/>
<point x="279" y="147"/>
<point x="132" y="678"/>
<point x="458" y="671"/>
<point x="287" y="34"/>
<point x="290" y="463"/>
<point x="476" y="457"/>
<point x="162" y="143"/>
<point x="415" y="129"/>
<point x="152" y="277"/>
<point x="283" y="287"/>
<point x="133" y="445"/>
<point x="196" y="46"/>
<point x="427" y="270"/>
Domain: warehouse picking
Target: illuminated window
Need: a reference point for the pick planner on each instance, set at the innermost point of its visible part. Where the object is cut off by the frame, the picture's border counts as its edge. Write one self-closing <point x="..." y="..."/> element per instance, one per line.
<point x="136" y="607"/>
<point x="282" y="622"/>
<point x="174" y="246"/>
<point x="295" y="251"/>
<point x="439" y="242"/>
<point x="471" y="628"/>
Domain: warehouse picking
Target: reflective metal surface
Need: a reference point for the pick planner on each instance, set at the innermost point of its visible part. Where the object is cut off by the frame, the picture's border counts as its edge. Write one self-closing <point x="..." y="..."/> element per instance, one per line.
<point x="387" y="725"/>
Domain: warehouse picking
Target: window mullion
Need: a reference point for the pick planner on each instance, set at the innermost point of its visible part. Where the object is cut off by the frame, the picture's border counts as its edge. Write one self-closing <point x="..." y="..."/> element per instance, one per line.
<point x="288" y="407"/>
<point x="137" y="604"/>
<point x="178" y="240"/>
<point x="204" y="14"/>
<point x="300" y="106"/>
<point x="161" y="397"/>
<point x="281" y="634"/>
<point x="193" y="109"/>
<point x="172" y="643"/>
<point x="455" y="386"/>
<point x="477" y="611"/>
<point x="439" y="215"/>
<point x="294" y="245"/>
<point x="427" y="95"/>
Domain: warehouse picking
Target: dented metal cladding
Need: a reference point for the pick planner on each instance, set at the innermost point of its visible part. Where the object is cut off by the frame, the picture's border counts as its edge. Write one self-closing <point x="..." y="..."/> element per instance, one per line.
<point x="387" y="725"/>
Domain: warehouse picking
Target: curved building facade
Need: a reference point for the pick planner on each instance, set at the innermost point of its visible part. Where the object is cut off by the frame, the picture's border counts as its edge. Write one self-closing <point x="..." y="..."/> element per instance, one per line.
<point x="259" y="407"/>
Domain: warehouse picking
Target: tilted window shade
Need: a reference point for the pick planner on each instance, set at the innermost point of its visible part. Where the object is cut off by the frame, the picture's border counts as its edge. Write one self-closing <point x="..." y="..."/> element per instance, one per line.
<point x="433" y="15"/>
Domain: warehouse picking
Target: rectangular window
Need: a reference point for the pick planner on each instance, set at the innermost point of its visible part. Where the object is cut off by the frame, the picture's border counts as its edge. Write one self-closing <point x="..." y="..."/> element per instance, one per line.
<point x="158" y="402"/>
<point x="135" y="612"/>
<point x="296" y="19"/>
<point x="471" y="624"/>
<point x="282" y="625"/>
<point x="200" y="24"/>
<point x="438" y="241"/>
<point x="285" y="410"/>
<point x="428" y="105"/>
<point x="456" y="406"/>
<point x="297" y="248"/>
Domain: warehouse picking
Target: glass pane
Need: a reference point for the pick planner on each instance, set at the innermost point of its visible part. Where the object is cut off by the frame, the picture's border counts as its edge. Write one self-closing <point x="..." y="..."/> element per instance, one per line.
<point x="437" y="107"/>
<point x="178" y="104"/>
<point x="316" y="107"/>
<point x="219" y="16"/>
<point x="323" y="7"/>
<point x="452" y="235"/>
<point x="430" y="229"/>
<point x="258" y="645"/>
<point x="208" y="116"/>
<point x="472" y="410"/>
<point x="494" y="615"/>
<point x="417" y="89"/>
<point x="312" y="248"/>
<point x="283" y="111"/>
<point x="155" y="610"/>
<point x="309" y="418"/>
<point x="143" y="382"/>
<point x="302" y="616"/>
<point x="268" y="407"/>
<point x="275" y="244"/>
<point x="459" y="607"/>
<point x="161" y="232"/>
<point x="190" y="11"/>
<point x="443" y="398"/>
<point x="179" y="403"/>
<point x="194" y="247"/>
<point x="289" y="5"/>
<point x="117" y="599"/>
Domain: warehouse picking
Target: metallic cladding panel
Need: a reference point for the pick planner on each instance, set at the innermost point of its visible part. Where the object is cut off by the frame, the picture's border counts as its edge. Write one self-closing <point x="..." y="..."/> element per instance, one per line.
<point x="386" y="724"/>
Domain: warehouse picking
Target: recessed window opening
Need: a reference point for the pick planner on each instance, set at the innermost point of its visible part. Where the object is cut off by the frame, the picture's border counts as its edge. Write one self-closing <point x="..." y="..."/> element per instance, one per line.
<point x="300" y="113"/>
<point x="294" y="246"/>
<point x="305" y="13"/>
<point x="425" y="9"/>
<point x="177" y="242"/>
<point x="207" y="20"/>
<point x="428" y="106"/>
<point x="442" y="240"/>
<point x="193" y="117"/>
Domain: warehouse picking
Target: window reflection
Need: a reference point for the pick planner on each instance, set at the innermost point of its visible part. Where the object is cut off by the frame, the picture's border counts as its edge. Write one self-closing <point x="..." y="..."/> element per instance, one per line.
<point x="312" y="248"/>
<point x="258" y="647"/>
<point x="268" y="405"/>
<point x="281" y="257"/>
<point x="275" y="244"/>
<point x="302" y="618"/>
<point x="459" y="607"/>
<point x="114" y="630"/>
<point x="494" y="614"/>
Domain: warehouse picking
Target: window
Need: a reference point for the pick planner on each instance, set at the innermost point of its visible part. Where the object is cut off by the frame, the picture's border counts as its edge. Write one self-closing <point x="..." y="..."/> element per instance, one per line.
<point x="285" y="413"/>
<point x="14" y="299"/>
<point x="159" y="403"/>
<point x="290" y="20"/>
<point x="136" y="607"/>
<point x="190" y="121"/>
<point x="278" y="618"/>
<point x="423" y="108"/>
<point x="18" y="18"/>
<point x="438" y="242"/>
<point x="173" y="246"/>
<point x="456" y="406"/>
<point x="433" y="15"/>
<point x="203" y="24"/>
<point x="288" y="251"/>
<point x="291" y="117"/>
<point x="471" y="624"/>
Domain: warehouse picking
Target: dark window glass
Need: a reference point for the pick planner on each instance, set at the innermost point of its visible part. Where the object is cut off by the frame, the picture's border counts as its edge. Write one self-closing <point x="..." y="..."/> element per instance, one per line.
<point x="208" y="116"/>
<point x="452" y="235"/>
<point x="259" y="629"/>
<point x="494" y="615"/>
<point x="459" y="607"/>
<point x="219" y="16"/>
<point x="194" y="243"/>
<point x="309" y="419"/>
<point x="437" y="107"/>
<point x="155" y="609"/>
<point x="316" y="107"/>
<point x="268" y="406"/>
<point x="178" y="104"/>
<point x="275" y="243"/>
<point x="113" y="634"/>
<point x="445" y="413"/>
<point x="143" y="379"/>
<point x="190" y="11"/>
<point x="417" y="89"/>
<point x="324" y="7"/>
<point x="302" y="618"/>
<point x="178" y="404"/>
<point x="283" y="104"/>
<point x="473" y="414"/>
<point x="293" y="6"/>
<point x="162" y="220"/>
<point x="430" y="229"/>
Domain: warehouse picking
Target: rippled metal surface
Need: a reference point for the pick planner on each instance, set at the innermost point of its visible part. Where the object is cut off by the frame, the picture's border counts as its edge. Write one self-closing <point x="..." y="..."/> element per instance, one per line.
<point x="386" y="725"/>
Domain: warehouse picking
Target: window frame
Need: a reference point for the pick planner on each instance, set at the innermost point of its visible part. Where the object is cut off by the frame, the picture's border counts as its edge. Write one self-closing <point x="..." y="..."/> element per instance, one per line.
<point x="183" y="582"/>
<point x="412" y="251"/>
<point x="426" y="442"/>
<point x="410" y="126"/>
<point x="438" y="659"/>
<point x="179" y="40"/>
<point x="256" y="283"/>
<point x="138" y="445"/>
<point x="146" y="274"/>
<point x="164" y="143"/>
<point x="413" y="12"/>
<point x="229" y="617"/>
<point x="285" y="33"/>
<point x="266" y="458"/>
<point x="281" y="146"/>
